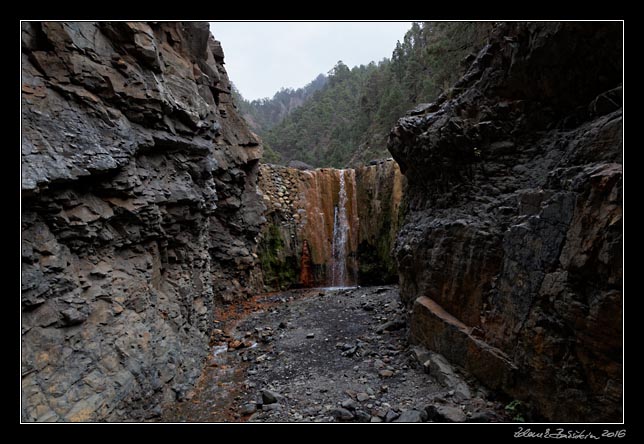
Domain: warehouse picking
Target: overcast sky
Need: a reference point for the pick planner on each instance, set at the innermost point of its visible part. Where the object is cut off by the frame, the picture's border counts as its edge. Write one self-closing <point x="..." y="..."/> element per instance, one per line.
<point x="262" y="57"/>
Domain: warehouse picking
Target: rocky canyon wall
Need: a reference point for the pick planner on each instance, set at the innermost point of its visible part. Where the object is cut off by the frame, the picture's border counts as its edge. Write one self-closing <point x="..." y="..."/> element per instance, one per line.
<point x="139" y="213"/>
<point x="510" y="255"/>
<point x="296" y="246"/>
<point x="380" y="194"/>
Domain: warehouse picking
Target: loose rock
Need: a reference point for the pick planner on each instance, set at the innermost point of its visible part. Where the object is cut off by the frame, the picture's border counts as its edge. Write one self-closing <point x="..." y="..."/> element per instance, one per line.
<point x="411" y="416"/>
<point x="362" y="397"/>
<point x="270" y="397"/>
<point x="349" y="404"/>
<point x="341" y="414"/>
<point x="248" y="409"/>
<point x="391" y="416"/>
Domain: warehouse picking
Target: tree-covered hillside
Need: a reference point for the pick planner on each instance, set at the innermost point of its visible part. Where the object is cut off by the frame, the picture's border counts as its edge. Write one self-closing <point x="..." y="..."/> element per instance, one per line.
<point x="346" y="120"/>
<point x="264" y="114"/>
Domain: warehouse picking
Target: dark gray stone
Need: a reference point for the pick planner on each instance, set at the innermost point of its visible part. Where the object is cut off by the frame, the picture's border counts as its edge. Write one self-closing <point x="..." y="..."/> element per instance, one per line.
<point x="311" y="411"/>
<point x="438" y="367"/>
<point x="391" y="415"/>
<point x="341" y="414"/>
<point x="481" y="417"/>
<point x="248" y="409"/>
<point x="411" y="416"/>
<point x="349" y="404"/>
<point x="396" y="324"/>
<point x="362" y="416"/>
<point x="71" y="316"/>
<point x="445" y="413"/>
<point x="421" y="355"/>
<point x="270" y="397"/>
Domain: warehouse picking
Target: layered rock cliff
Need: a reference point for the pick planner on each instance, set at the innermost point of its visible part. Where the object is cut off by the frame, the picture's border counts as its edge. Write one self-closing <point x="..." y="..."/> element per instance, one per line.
<point x="139" y="213"/>
<point x="511" y="252"/>
<point x="298" y="243"/>
<point x="381" y="206"/>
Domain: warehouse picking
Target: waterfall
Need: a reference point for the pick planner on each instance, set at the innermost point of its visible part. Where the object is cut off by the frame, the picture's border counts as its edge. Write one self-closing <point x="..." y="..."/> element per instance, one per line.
<point x="340" y="237"/>
<point x="314" y="216"/>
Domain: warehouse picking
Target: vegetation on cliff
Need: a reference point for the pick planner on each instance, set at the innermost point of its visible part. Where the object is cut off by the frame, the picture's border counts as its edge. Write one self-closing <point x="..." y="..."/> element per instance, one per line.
<point x="263" y="114"/>
<point x="344" y="121"/>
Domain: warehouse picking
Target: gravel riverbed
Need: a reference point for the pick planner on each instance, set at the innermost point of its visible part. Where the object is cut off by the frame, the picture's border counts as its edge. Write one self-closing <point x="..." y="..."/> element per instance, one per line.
<point x="328" y="355"/>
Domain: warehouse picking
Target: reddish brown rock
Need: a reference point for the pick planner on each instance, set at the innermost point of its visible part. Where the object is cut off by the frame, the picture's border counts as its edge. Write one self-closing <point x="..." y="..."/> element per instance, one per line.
<point x="436" y="329"/>
<point x="235" y="344"/>
<point x="306" y="275"/>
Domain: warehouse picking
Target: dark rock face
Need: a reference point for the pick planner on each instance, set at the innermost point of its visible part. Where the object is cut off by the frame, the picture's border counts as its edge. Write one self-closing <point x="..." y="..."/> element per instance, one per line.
<point x="380" y="194"/>
<point x="511" y="252"/>
<point x="139" y="213"/>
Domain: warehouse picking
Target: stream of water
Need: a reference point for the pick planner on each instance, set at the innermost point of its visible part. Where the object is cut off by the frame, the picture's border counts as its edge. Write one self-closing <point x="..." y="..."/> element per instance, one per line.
<point x="340" y="236"/>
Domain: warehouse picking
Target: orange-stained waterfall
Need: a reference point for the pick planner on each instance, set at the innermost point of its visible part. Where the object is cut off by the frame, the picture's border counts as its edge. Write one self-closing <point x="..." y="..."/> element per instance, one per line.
<point x="341" y="228"/>
<point x="329" y="227"/>
<point x="330" y="224"/>
<point x="340" y="234"/>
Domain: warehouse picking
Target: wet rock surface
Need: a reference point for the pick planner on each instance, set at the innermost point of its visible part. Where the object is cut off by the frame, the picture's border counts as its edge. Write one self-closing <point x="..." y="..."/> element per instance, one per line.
<point x="510" y="256"/>
<point x="296" y="242"/>
<point x="346" y="372"/>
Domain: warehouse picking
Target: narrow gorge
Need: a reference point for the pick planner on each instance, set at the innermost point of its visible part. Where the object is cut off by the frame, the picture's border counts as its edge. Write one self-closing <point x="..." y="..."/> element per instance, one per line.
<point x="170" y="274"/>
